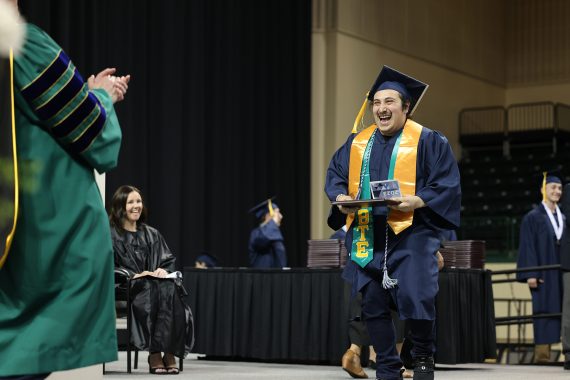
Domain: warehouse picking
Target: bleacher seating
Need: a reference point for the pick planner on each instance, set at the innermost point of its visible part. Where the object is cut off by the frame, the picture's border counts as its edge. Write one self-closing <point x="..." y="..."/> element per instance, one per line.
<point x="501" y="182"/>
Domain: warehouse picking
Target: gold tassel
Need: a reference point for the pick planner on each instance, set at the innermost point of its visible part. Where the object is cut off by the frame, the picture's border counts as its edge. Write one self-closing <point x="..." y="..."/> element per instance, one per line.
<point x="544" y="186"/>
<point x="270" y="205"/>
<point x="360" y="115"/>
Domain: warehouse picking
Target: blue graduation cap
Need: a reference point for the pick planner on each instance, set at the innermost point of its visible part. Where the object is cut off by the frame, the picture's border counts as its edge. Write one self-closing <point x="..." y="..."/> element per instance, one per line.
<point x="552" y="176"/>
<point x="267" y="206"/>
<point x="411" y="89"/>
<point x="207" y="259"/>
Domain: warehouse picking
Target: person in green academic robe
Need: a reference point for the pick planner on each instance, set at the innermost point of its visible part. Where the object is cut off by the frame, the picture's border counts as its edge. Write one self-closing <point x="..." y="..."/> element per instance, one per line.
<point x="56" y="285"/>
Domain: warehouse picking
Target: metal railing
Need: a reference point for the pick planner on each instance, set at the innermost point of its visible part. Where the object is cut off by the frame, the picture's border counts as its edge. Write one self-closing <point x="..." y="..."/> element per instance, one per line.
<point x="522" y="318"/>
<point x="563" y="117"/>
<point x="531" y="116"/>
<point x="483" y="120"/>
<point x="517" y="123"/>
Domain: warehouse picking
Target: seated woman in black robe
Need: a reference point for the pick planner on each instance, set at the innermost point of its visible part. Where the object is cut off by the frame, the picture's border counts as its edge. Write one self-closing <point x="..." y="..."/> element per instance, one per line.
<point x="161" y="321"/>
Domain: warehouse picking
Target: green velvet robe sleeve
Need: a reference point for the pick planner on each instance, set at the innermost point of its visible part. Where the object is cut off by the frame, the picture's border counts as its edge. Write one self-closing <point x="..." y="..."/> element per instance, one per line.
<point x="83" y="121"/>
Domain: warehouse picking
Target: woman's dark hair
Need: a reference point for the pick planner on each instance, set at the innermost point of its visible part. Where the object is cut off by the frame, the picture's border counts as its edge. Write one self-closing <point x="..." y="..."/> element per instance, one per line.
<point x="118" y="211"/>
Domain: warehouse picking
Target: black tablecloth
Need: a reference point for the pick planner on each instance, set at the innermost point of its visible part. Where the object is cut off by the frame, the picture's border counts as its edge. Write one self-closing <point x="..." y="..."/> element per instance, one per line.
<point x="301" y="315"/>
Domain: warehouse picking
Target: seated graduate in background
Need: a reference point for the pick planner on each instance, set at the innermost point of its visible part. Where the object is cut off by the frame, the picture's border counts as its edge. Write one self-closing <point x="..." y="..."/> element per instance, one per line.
<point x="340" y="234"/>
<point x="206" y="260"/>
<point x="162" y="322"/>
<point x="266" y="248"/>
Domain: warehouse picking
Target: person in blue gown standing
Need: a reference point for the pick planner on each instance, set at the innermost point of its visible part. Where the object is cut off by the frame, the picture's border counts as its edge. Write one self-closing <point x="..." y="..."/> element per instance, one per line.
<point x="393" y="248"/>
<point x="540" y="235"/>
<point x="266" y="247"/>
<point x="565" y="268"/>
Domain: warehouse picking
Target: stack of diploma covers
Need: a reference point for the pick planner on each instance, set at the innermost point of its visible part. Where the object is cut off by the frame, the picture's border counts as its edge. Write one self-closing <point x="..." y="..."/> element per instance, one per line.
<point x="464" y="254"/>
<point x="326" y="253"/>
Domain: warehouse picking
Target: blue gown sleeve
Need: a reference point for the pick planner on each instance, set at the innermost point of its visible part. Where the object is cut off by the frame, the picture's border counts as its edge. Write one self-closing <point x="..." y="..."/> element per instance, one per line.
<point x="280" y="253"/>
<point x="442" y="189"/>
<point x="448" y="235"/>
<point x="528" y="249"/>
<point x="336" y="181"/>
<point x="266" y="239"/>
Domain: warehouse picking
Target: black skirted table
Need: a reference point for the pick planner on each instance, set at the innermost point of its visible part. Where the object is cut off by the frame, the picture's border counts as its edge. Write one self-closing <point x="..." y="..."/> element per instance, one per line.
<point x="301" y="315"/>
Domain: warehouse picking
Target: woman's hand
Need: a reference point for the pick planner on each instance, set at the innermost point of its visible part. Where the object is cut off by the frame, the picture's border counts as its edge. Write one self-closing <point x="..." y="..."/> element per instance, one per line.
<point x="157" y="273"/>
<point x="142" y="274"/>
<point x="160" y="273"/>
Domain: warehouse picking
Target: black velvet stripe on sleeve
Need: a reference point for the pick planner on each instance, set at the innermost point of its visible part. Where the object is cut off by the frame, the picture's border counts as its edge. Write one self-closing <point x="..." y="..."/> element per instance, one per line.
<point x="85" y="140"/>
<point x="47" y="78"/>
<point x="62" y="98"/>
<point x="78" y="115"/>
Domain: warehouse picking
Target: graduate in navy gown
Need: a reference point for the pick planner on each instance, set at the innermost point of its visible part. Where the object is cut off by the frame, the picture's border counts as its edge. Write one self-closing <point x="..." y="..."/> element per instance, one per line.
<point x="406" y="273"/>
<point x="205" y="260"/>
<point x="266" y="248"/>
<point x="540" y="234"/>
<point x="565" y="268"/>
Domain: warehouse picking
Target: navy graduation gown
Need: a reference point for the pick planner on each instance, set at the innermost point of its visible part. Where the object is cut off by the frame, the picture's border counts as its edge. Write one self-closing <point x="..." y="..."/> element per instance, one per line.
<point x="412" y="253"/>
<point x="565" y="241"/>
<point x="339" y="234"/>
<point x="266" y="248"/>
<point x="538" y="247"/>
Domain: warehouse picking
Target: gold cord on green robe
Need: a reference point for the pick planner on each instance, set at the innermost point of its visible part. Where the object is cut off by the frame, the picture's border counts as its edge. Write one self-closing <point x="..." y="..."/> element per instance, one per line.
<point x="8" y="159"/>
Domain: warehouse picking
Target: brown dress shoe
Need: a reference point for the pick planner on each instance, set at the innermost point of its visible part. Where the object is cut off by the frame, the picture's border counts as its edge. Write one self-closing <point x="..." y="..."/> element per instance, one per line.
<point x="542" y="353"/>
<point x="351" y="364"/>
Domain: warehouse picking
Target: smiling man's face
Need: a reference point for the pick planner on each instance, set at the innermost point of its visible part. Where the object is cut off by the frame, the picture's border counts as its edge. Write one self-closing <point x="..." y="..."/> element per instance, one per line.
<point x="389" y="112"/>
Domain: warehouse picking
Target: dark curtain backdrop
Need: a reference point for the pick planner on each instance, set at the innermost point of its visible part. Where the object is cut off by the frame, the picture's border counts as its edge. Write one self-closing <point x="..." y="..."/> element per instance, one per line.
<point x="217" y="117"/>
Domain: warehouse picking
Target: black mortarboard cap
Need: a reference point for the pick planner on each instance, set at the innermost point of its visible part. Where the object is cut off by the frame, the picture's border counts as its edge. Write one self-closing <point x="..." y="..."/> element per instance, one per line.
<point x="267" y="206"/>
<point x="389" y="78"/>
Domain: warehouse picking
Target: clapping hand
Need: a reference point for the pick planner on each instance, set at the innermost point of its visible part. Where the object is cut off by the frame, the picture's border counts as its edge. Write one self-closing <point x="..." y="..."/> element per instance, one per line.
<point x="115" y="86"/>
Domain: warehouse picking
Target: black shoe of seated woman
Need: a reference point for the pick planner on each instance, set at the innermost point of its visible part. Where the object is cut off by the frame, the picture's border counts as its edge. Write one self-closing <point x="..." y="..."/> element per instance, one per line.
<point x="155" y="364"/>
<point x="169" y="361"/>
<point x="423" y="368"/>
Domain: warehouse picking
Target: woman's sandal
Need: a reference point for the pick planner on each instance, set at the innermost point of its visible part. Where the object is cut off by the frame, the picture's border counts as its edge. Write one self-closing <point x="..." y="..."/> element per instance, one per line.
<point x="169" y="361"/>
<point x="157" y="367"/>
